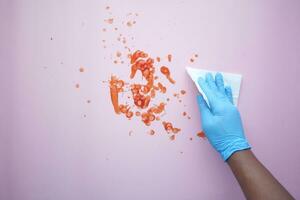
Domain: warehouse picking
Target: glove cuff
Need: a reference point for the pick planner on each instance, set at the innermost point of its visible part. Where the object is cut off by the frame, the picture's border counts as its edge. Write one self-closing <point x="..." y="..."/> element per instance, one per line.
<point x="237" y="145"/>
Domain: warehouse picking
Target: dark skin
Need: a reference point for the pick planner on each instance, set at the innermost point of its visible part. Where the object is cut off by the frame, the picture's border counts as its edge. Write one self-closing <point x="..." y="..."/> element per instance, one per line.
<point x="255" y="180"/>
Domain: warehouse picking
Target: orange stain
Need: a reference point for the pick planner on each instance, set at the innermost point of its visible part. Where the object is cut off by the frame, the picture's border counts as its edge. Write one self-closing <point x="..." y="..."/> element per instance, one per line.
<point x="151" y="132"/>
<point x="172" y="137"/>
<point x="129" y="24"/>
<point x="81" y="69"/>
<point x="201" y="134"/>
<point x="169" y="127"/>
<point x="165" y="71"/>
<point x="118" y="54"/>
<point x="110" y="21"/>
<point x="169" y="57"/>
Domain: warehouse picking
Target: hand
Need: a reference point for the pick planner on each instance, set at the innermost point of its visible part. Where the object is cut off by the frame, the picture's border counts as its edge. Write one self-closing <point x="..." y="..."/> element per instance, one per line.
<point x="221" y="120"/>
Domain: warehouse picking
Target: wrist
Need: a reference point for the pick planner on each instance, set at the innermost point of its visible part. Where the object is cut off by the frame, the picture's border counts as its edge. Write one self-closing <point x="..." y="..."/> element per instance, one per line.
<point x="233" y="146"/>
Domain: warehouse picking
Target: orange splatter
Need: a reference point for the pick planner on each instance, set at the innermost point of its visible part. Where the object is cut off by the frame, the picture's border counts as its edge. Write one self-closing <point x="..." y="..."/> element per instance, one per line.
<point x="169" y="57"/>
<point x="169" y="127"/>
<point x="110" y="21"/>
<point x="151" y="132"/>
<point x="172" y="137"/>
<point x="165" y="71"/>
<point x="129" y="24"/>
<point x="118" y="54"/>
<point x="116" y="86"/>
<point x="158" y="59"/>
<point x="201" y="134"/>
<point x="81" y="69"/>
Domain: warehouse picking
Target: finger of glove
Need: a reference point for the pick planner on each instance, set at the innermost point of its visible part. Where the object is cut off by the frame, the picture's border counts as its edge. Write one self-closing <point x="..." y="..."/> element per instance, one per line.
<point x="228" y="92"/>
<point x="210" y="81"/>
<point x="205" y="88"/>
<point x="220" y="82"/>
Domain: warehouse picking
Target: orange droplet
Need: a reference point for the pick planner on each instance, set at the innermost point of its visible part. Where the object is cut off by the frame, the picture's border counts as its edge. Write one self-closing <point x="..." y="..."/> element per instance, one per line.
<point x="151" y="132"/>
<point x="110" y="20"/>
<point x="81" y="69"/>
<point x="165" y="71"/>
<point x="118" y="54"/>
<point x="201" y="134"/>
<point x="158" y="59"/>
<point x="129" y="24"/>
<point x="169" y="57"/>
<point x="172" y="137"/>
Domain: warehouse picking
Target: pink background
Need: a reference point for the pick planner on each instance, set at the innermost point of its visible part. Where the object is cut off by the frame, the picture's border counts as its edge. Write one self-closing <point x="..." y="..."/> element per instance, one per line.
<point x="48" y="150"/>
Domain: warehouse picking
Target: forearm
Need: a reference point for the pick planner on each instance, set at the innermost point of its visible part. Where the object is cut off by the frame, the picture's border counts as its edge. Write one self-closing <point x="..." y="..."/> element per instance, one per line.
<point x="255" y="180"/>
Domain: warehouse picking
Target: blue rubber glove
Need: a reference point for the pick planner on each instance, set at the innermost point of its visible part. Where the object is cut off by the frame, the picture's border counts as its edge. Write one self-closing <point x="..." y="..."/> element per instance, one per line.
<point x="221" y="121"/>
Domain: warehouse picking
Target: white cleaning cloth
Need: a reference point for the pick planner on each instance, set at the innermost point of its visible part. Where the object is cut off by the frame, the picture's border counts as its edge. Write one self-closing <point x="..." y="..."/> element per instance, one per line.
<point x="232" y="80"/>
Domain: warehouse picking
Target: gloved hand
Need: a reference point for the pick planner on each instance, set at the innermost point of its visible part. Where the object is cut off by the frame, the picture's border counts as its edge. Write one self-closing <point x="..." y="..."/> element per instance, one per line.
<point x="221" y="121"/>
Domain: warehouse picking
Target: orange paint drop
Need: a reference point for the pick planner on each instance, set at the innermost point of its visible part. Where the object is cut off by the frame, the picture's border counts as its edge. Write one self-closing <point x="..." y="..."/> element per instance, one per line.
<point x="158" y="59"/>
<point x="110" y="21"/>
<point x="201" y="134"/>
<point x="81" y="69"/>
<point x="129" y="24"/>
<point x="169" y="57"/>
<point x="172" y="137"/>
<point x="169" y="127"/>
<point x="165" y="71"/>
<point x="118" y="54"/>
<point x="116" y="86"/>
<point x="151" y="132"/>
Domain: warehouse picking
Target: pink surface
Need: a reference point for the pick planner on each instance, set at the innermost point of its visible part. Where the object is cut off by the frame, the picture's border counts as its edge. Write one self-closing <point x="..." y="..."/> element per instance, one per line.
<point x="50" y="151"/>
